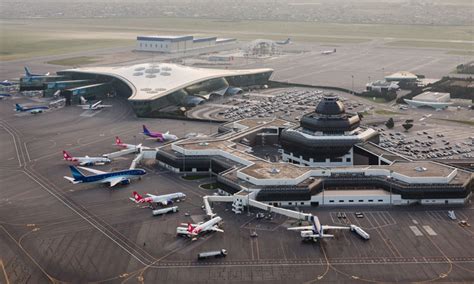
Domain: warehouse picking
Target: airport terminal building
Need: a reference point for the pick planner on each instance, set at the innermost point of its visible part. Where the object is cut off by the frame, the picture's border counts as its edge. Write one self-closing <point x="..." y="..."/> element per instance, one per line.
<point x="166" y="90"/>
<point x="373" y="176"/>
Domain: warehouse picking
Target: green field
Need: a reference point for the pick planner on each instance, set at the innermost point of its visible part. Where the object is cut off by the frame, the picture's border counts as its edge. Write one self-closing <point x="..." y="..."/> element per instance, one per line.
<point x="74" y="61"/>
<point x="466" y="122"/>
<point x="386" y="112"/>
<point x="27" y="38"/>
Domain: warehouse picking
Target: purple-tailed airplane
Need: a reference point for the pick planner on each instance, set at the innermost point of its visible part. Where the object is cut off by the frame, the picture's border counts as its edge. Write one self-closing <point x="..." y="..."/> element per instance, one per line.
<point x="161" y="137"/>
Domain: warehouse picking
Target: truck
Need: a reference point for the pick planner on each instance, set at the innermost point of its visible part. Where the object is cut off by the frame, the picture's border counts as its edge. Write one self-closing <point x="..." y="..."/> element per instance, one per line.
<point x="217" y="253"/>
<point x="165" y="210"/>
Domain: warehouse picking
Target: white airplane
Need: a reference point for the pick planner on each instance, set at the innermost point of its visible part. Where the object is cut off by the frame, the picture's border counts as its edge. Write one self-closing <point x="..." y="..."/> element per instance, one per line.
<point x="316" y="230"/>
<point x="120" y="144"/>
<point x="193" y="230"/>
<point x="86" y="161"/>
<point x="327" y="52"/>
<point x="92" y="106"/>
<point x="164" y="199"/>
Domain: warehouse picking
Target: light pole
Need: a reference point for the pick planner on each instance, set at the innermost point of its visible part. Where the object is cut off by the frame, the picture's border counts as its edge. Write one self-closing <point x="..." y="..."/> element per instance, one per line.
<point x="352" y="76"/>
<point x="390" y="182"/>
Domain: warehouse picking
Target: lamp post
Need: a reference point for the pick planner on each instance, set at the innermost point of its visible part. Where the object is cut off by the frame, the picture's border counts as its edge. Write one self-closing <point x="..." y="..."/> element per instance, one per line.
<point x="390" y="182"/>
<point x="352" y="76"/>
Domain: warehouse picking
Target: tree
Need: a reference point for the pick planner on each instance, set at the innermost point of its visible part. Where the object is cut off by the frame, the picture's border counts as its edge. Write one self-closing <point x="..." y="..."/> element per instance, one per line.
<point x="407" y="126"/>
<point x="390" y="123"/>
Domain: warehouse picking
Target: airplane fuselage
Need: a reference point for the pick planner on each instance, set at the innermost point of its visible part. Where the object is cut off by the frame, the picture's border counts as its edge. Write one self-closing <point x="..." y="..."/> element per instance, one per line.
<point x="101" y="178"/>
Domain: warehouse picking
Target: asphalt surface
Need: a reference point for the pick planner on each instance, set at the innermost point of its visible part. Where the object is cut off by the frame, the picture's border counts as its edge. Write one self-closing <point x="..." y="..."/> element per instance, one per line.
<point x="51" y="230"/>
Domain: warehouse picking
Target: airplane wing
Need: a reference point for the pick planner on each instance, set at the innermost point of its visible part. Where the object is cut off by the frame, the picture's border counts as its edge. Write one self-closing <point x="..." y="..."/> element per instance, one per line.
<point x="94" y="171"/>
<point x="104" y="106"/>
<point x="300" y="228"/>
<point x="114" y="180"/>
<point x="70" y="179"/>
<point x="215" y="229"/>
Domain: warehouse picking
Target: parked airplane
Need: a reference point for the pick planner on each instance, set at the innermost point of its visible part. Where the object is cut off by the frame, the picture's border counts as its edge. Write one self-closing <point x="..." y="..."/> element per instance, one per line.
<point x="164" y="199"/>
<point x="86" y="161"/>
<point x="287" y="41"/>
<point x="92" y="106"/>
<point x="159" y="136"/>
<point x="33" y="110"/>
<point x="112" y="178"/>
<point x="120" y="144"/>
<point x="194" y="230"/>
<point x="451" y="215"/>
<point x="7" y="83"/>
<point x="316" y="230"/>
<point x="4" y="95"/>
<point x="327" y="52"/>
<point x="29" y="74"/>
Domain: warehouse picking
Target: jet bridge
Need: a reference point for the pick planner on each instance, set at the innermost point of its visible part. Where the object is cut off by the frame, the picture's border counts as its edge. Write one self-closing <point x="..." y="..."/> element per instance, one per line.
<point x="245" y="198"/>
<point x="120" y="153"/>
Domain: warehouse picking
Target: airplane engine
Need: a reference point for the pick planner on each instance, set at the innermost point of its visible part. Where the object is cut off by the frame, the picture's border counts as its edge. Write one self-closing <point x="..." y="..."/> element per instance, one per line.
<point x="125" y="182"/>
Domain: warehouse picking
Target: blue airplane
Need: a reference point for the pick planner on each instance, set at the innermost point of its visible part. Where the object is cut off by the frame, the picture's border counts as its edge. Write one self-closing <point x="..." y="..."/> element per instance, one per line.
<point x="112" y="178"/>
<point x="32" y="110"/>
<point x="4" y="95"/>
<point x="7" y="83"/>
<point x="29" y="74"/>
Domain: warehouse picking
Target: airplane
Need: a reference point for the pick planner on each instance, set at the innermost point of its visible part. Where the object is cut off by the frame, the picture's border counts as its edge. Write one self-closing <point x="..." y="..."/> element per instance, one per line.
<point x="161" y="137"/>
<point x="193" y="230"/>
<point x="92" y="106"/>
<point x="29" y="74"/>
<point x="7" y="83"/>
<point x="287" y="41"/>
<point x="86" y="161"/>
<point x="120" y="144"/>
<point x="32" y="110"/>
<point x="4" y="95"/>
<point x="316" y="230"/>
<point x="112" y="178"/>
<point x="164" y="199"/>
<point x="327" y="52"/>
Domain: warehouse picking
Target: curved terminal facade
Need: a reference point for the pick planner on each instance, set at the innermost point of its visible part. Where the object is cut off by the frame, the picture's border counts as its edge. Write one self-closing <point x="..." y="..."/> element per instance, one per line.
<point x="157" y="89"/>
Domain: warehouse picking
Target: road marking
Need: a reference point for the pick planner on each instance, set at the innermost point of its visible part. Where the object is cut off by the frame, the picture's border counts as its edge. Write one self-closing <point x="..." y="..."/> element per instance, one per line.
<point x="4" y="272"/>
<point x="416" y="231"/>
<point x="429" y="230"/>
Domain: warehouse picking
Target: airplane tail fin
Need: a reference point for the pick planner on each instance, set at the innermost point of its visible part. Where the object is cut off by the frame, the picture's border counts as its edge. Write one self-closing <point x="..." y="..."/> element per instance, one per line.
<point x="76" y="174"/>
<point x="334" y="50"/>
<point x="145" y="130"/>
<point x="118" y="141"/>
<point x="67" y="156"/>
<point x="18" y="107"/>
<point x="27" y="72"/>
<point x="190" y="228"/>
<point x="137" y="197"/>
<point x="83" y="101"/>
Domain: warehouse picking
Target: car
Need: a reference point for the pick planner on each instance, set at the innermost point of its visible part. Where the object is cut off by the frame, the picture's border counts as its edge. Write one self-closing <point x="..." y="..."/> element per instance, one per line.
<point x="359" y="215"/>
<point x="260" y="215"/>
<point x="339" y="215"/>
<point x="254" y="234"/>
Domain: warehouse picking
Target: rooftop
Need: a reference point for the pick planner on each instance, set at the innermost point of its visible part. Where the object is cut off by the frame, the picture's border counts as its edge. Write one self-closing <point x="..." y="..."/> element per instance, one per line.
<point x="150" y="81"/>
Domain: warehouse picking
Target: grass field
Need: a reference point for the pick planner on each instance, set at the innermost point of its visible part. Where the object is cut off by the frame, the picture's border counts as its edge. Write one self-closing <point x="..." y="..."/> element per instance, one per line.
<point x="386" y="112"/>
<point x="74" y="61"/>
<point x="466" y="122"/>
<point x="27" y="38"/>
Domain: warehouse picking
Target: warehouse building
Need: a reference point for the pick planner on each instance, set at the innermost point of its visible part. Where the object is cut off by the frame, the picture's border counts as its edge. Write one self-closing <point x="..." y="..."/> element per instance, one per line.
<point x="175" y="44"/>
